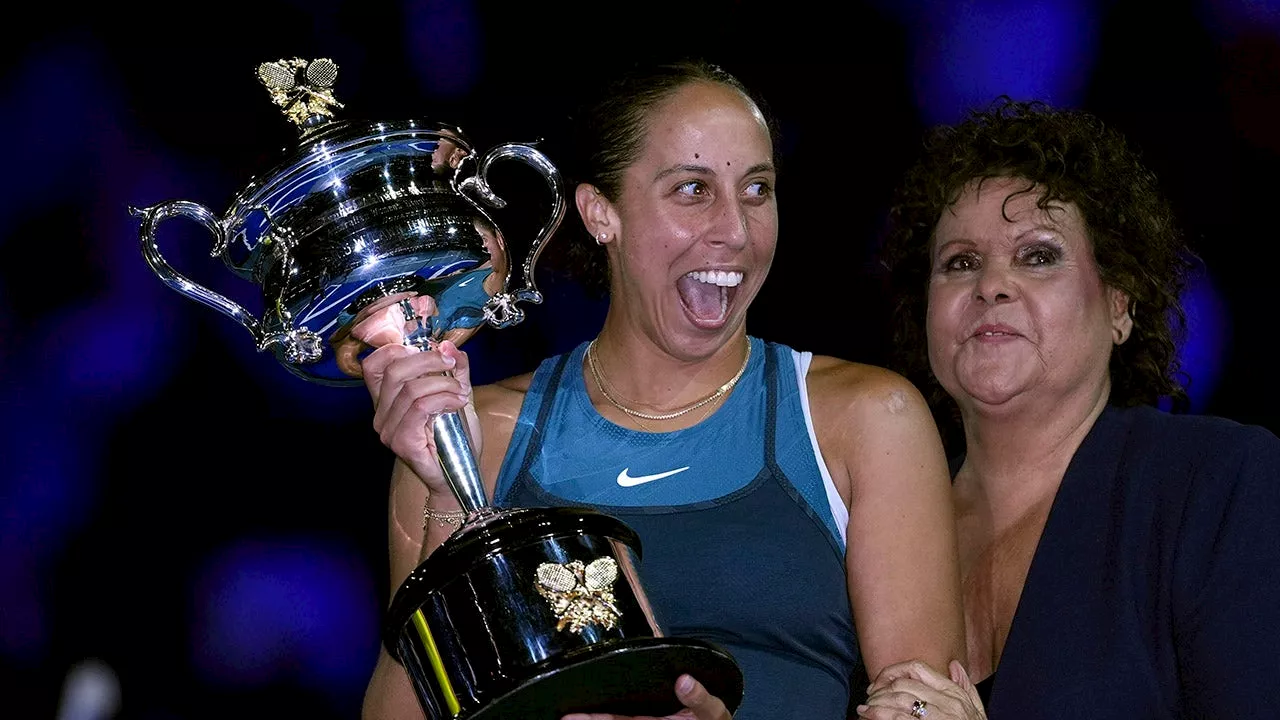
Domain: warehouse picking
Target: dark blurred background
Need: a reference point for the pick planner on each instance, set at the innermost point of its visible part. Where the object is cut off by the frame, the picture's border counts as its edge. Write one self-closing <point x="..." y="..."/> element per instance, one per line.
<point x="189" y="531"/>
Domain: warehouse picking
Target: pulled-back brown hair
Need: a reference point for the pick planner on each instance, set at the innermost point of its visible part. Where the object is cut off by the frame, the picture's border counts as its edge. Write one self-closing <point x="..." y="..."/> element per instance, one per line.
<point x="607" y="134"/>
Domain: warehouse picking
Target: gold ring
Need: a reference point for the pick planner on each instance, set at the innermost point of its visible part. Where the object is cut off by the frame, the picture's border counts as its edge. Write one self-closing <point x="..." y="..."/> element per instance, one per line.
<point x="919" y="709"/>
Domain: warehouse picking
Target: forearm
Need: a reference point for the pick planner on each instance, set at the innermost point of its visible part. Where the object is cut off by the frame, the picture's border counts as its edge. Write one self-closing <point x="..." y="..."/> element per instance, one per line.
<point x="389" y="695"/>
<point x="420" y="521"/>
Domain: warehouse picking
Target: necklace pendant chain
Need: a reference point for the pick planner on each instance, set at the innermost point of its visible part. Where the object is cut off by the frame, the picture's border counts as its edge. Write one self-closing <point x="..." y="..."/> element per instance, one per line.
<point x="601" y="385"/>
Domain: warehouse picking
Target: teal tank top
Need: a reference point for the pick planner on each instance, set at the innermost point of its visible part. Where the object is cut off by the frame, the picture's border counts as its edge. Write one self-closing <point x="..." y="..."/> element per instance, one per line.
<point x="740" y="540"/>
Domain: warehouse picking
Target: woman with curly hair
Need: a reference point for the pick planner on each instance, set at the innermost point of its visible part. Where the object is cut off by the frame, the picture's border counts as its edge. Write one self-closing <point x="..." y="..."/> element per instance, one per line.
<point x="1116" y="560"/>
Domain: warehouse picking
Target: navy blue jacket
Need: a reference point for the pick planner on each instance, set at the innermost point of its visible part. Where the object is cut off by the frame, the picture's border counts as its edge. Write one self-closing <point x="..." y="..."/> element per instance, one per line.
<point x="1155" y="589"/>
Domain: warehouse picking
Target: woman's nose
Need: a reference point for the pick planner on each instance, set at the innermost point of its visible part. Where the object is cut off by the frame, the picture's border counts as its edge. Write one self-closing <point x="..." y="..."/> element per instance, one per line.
<point x="994" y="286"/>
<point x="730" y="228"/>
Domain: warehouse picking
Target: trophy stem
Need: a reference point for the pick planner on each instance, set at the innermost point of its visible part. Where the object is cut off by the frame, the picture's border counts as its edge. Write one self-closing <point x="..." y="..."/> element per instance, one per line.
<point x="453" y="447"/>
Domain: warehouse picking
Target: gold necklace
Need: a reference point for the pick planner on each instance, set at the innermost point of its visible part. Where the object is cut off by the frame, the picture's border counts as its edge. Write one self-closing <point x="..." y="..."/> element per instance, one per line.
<point x="719" y="392"/>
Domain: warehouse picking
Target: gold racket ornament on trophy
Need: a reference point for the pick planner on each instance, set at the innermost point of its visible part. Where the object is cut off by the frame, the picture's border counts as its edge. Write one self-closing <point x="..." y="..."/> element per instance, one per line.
<point x="523" y="612"/>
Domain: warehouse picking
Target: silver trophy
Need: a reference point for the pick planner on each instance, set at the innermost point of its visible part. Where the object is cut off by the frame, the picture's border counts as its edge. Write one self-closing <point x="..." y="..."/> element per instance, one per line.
<point x="523" y="612"/>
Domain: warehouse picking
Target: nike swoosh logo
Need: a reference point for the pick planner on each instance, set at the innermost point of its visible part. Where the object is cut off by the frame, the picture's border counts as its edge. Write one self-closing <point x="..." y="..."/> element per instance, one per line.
<point x="626" y="480"/>
<point x="466" y="282"/>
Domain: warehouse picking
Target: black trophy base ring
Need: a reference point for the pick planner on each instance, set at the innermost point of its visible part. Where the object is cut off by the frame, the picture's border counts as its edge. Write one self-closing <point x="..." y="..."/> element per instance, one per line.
<point x="629" y="677"/>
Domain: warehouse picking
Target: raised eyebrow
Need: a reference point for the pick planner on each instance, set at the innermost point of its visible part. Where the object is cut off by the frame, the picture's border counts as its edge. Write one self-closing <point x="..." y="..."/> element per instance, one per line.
<point x="1047" y="228"/>
<point x="704" y="170"/>
<point x="964" y="242"/>
<point x="696" y="169"/>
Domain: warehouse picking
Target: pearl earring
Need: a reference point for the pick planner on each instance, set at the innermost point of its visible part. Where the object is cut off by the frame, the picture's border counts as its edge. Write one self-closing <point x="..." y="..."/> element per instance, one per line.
<point x="601" y="238"/>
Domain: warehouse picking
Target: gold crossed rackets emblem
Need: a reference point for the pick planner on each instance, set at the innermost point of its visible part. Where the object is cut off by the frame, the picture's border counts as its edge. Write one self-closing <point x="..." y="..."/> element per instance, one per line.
<point x="580" y="595"/>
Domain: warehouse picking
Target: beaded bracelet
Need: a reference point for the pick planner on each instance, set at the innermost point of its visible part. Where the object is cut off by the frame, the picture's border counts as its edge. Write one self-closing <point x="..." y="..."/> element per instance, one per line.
<point x="442" y="517"/>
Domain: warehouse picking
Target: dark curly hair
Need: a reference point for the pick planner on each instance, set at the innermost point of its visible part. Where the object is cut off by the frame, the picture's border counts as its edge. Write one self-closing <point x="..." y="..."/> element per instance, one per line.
<point x="606" y="134"/>
<point x="1072" y="157"/>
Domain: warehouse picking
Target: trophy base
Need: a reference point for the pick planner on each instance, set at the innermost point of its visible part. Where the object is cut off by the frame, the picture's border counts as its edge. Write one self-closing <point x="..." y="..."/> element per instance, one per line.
<point x="484" y="635"/>
<point x="632" y="677"/>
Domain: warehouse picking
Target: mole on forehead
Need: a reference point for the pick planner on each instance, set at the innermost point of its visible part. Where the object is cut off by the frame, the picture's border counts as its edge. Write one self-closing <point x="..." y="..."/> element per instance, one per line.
<point x="727" y="163"/>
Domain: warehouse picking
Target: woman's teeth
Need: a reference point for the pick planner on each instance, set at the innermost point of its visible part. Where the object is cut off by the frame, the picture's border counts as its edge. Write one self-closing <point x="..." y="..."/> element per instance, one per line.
<point x="721" y="278"/>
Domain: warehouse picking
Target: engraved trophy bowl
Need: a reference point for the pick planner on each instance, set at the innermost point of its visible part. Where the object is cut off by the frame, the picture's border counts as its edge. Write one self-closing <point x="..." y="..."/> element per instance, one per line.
<point x="522" y="612"/>
<point x="360" y="212"/>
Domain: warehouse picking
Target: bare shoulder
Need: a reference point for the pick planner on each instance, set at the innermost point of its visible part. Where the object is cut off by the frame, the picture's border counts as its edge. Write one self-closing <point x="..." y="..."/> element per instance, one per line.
<point x="871" y="423"/>
<point x="507" y="390"/>
<point x="841" y="389"/>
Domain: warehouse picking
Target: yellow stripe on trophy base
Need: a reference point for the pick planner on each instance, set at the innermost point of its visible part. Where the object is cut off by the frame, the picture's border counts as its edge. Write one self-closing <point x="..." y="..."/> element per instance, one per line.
<point x="437" y="665"/>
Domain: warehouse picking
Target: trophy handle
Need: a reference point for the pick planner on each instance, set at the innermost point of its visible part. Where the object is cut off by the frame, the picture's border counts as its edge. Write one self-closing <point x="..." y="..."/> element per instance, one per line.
<point x="152" y="217"/>
<point x="501" y="310"/>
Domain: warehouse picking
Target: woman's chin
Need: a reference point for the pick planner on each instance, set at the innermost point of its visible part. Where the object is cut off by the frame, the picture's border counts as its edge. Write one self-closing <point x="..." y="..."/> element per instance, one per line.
<point x="992" y="396"/>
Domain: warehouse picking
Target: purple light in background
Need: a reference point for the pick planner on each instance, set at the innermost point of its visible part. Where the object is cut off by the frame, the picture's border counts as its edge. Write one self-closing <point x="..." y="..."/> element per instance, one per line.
<point x="1208" y="336"/>
<point x="443" y="38"/>
<point x="968" y="53"/>
<point x="23" y="631"/>
<point x="110" y="348"/>
<point x="1248" y="34"/>
<point x="47" y="493"/>
<point x="63" y="380"/>
<point x="299" y="610"/>
<point x="45" y="107"/>
<point x="1228" y="18"/>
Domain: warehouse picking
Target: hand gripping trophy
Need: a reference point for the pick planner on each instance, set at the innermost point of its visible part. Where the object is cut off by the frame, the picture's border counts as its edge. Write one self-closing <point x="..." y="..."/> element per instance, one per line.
<point x="523" y="612"/>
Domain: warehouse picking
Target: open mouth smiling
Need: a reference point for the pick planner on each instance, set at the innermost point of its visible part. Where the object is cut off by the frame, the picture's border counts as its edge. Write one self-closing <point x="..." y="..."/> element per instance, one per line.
<point x="707" y="294"/>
